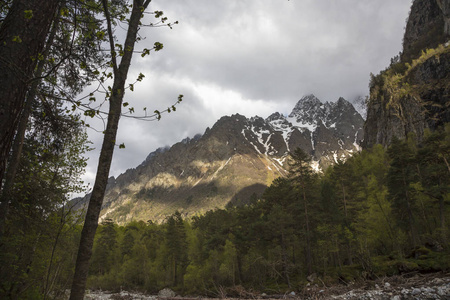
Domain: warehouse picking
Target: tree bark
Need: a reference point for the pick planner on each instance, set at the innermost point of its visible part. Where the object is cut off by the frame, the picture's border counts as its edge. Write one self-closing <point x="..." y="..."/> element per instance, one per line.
<point x="409" y="211"/>
<point x="22" y="38"/>
<point x="109" y="140"/>
<point x="308" y="234"/>
<point x="16" y="150"/>
<point x="285" y="260"/>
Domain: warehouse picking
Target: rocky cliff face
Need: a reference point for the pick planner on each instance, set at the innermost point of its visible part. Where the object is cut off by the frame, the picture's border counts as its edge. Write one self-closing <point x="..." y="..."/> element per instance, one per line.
<point x="444" y="5"/>
<point x="413" y="94"/>
<point x="427" y="27"/>
<point x="409" y="103"/>
<point x="231" y="161"/>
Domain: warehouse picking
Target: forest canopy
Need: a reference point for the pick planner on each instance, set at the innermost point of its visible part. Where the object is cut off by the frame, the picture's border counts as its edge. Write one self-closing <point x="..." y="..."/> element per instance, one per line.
<point x="382" y="212"/>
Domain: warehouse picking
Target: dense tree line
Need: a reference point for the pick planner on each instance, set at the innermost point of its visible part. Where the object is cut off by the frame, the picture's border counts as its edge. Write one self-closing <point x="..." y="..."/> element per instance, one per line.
<point x="381" y="212"/>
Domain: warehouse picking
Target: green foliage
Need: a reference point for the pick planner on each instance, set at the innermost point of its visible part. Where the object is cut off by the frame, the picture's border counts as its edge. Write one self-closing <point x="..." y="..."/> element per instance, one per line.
<point x="391" y="85"/>
<point x="381" y="212"/>
<point x="263" y="246"/>
<point x="41" y="235"/>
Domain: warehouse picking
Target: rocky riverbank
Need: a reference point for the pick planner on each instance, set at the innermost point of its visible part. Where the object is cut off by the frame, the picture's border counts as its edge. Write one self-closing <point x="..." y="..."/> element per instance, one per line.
<point x="402" y="287"/>
<point x="405" y="287"/>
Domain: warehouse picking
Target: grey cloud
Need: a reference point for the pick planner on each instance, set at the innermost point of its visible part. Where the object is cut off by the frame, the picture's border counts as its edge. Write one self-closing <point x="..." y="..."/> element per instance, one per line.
<point x="311" y="40"/>
<point x="268" y="52"/>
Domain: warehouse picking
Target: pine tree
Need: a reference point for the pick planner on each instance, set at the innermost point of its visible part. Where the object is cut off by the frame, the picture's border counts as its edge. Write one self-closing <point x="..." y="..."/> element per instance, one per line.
<point x="176" y="246"/>
<point x="304" y="180"/>
<point x="433" y="157"/>
<point x="401" y="174"/>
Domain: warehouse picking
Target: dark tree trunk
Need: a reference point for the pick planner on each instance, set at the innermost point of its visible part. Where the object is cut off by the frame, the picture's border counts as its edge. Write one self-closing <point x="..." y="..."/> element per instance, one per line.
<point x="411" y="221"/>
<point x="22" y="38"/>
<point x="16" y="150"/>
<point x="285" y="260"/>
<point x="442" y="219"/>
<point x="308" y="231"/>
<point x="109" y="140"/>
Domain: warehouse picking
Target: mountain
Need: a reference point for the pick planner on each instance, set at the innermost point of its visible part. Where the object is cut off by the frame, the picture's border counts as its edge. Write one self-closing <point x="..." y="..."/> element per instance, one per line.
<point x="232" y="161"/>
<point x="413" y="94"/>
<point x="359" y="103"/>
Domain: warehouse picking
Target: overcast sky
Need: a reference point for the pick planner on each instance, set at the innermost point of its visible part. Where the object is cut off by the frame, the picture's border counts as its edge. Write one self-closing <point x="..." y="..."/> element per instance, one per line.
<point x="252" y="57"/>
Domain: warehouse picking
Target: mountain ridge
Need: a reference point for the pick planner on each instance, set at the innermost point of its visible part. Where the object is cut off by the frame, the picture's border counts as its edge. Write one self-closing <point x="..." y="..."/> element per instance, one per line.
<point x="234" y="160"/>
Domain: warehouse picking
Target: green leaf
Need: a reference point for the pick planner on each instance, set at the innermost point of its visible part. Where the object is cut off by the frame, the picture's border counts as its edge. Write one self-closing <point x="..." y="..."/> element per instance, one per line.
<point x="145" y="52"/>
<point x="140" y="77"/>
<point x="100" y="34"/>
<point x="28" y="14"/>
<point x="65" y="12"/>
<point x="158" y="115"/>
<point x="158" y="46"/>
<point x="17" y="39"/>
<point x="122" y="146"/>
<point x="90" y="113"/>
<point x="125" y="104"/>
<point x="131" y="87"/>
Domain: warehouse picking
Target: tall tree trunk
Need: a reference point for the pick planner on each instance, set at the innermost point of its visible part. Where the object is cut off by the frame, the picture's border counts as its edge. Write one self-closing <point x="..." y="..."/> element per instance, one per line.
<point x="22" y="38"/>
<point x="20" y="135"/>
<point x="391" y="231"/>
<point x="345" y="201"/>
<point x="347" y="222"/>
<point x="175" y="272"/>
<point x="109" y="140"/>
<point x="239" y="267"/>
<point x="285" y="260"/>
<point x="409" y="211"/>
<point x="48" y="285"/>
<point x="442" y="219"/>
<point x="308" y="234"/>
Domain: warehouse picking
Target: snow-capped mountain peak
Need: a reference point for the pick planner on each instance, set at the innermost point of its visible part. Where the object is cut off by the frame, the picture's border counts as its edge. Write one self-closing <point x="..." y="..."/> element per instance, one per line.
<point x="324" y="127"/>
<point x="233" y="159"/>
